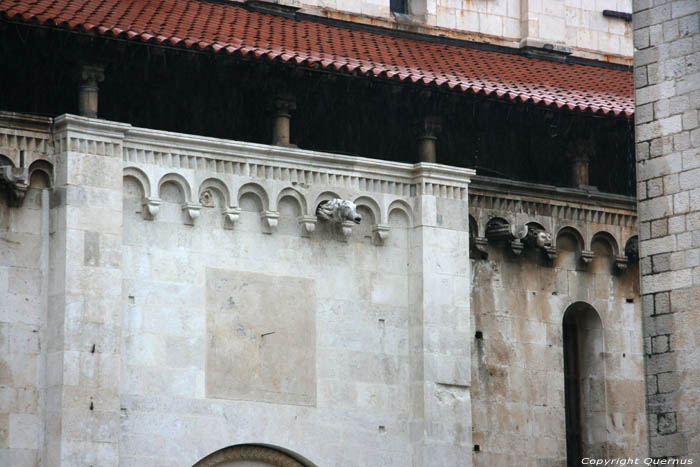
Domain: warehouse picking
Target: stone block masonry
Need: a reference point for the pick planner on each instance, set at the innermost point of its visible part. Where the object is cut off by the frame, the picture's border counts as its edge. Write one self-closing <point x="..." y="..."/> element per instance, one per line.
<point x="667" y="81"/>
<point x="173" y="295"/>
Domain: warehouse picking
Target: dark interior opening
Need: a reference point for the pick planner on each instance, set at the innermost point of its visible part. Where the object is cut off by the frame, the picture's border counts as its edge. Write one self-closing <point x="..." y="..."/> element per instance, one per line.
<point x="230" y="97"/>
<point x="572" y="391"/>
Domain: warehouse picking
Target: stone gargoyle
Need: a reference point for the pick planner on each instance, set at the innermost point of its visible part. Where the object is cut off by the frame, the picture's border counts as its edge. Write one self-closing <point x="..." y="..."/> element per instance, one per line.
<point x="338" y="210"/>
<point x="538" y="238"/>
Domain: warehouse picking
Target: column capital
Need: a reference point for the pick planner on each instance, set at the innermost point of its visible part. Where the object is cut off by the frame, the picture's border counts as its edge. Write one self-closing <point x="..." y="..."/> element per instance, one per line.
<point x="428" y="127"/>
<point x="91" y="75"/>
<point x="284" y="105"/>
<point x="579" y="149"/>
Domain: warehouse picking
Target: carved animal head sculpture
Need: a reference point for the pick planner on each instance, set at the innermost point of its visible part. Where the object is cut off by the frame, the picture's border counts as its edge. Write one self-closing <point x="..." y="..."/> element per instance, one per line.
<point x="632" y="249"/>
<point x="539" y="238"/>
<point x="338" y="210"/>
<point x="544" y="239"/>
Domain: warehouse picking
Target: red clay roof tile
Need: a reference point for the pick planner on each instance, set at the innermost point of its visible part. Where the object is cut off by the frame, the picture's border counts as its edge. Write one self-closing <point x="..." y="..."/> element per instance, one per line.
<point x="235" y="30"/>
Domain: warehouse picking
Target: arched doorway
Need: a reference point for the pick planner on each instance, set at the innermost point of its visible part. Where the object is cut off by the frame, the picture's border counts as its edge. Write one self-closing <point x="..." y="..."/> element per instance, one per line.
<point x="249" y="455"/>
<point x="584" y="383"/>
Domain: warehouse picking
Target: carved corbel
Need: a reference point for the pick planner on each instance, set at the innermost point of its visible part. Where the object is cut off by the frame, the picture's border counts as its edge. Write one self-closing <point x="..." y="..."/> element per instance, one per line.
<point x="151" y="207"/>
<point x="192" y="210"/>
<point x="308" y="225"/>
<point x="519" y="233"/>
<point x="516" y="246"/>
<point x="346" y="228"/>
<point x="478" y="246"/>
<point x="539" y="238"/>
<point x="206" y="199"/>
<point x="586" y="256"/>
<point x="270" y="220"/>
<point x="16" y="182"/>
<point x="231" y="216"/>
<point x="621" y="262"/>
<point x="380" y="232"/>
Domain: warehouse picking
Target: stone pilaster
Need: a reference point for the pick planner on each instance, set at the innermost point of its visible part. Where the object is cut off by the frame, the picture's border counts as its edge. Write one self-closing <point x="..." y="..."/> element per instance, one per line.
<point x="85" y="294"/>
<point x="439" y="335"/>
<point x="543" y="27"/>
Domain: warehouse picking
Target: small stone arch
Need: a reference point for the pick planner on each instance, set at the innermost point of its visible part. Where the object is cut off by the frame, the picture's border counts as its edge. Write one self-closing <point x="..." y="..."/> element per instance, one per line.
<point x="140" y="177"/>
<point x="243" y="454"/>
<point x="253" y="189"/>
<point x="292" y="193"/>
<point x="41" y="168"/>
<point x="403" y="206"/>
<point x="178" y="180"/>
<point x="5" y="160"/>
<point x="214" y="184"/>
<point x="573" y="233"/>
<point x="535" y="225"/>
<point x="608" y="238"/>
<point x="372" y="206"/>
<point x="497" y="221"/>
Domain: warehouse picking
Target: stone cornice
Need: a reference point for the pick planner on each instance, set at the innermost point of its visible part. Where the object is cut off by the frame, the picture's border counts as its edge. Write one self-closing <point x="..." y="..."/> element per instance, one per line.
<point x="551" y="195"/>
<point x="25" y="122"/>
<point x="90" y="126"/>
<point x="292" y="164"/>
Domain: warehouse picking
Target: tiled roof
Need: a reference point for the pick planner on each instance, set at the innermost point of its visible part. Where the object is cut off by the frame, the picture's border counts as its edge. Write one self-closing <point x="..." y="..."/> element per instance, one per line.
<point x="229" y="28"/>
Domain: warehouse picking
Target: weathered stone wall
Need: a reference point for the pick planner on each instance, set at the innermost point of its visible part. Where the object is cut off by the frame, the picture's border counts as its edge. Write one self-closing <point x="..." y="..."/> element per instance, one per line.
<point x="241" y="325"/>
<point x="667" y="81"/>
<point x="24" y="235"/>
<point x="194" y="302"/>
<point x="518" y="305"/>
<point x="21" y="320"/>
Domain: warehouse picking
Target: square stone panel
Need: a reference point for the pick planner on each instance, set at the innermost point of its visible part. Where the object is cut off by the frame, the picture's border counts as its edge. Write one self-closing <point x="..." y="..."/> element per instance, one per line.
<point x="261" y="337"/>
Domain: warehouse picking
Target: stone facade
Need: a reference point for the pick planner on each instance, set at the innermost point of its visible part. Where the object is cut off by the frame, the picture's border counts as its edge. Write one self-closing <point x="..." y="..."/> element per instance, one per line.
<point x="572" y="26"/>
<point x="24" y="273"/>
<point x="519" y="299"/>
<point x="171" y="262"/>
<point x="158" y="265"/>
<point x="667" y="81"/>
<point x="174" y="300"/>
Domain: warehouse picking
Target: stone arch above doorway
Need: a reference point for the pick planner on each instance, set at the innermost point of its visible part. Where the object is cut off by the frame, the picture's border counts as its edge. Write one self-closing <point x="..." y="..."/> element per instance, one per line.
<point x="248" y="456"/>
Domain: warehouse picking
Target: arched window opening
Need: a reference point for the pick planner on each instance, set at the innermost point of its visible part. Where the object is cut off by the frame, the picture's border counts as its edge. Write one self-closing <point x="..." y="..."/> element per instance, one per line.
<point x="584" y="383"/>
